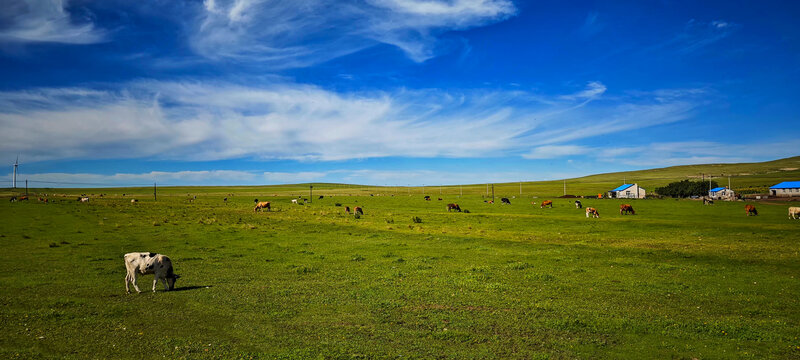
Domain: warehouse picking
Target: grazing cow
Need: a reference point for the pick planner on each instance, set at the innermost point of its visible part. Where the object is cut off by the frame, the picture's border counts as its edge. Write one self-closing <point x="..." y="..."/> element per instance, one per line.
<point x="84" y="199"/>
<point x="13" y="199"/>
<point x="794" y="212"/>
<point x="491" y="201"/>
<point x="624" y="209"/>
<point x="225" y="200"/>
<point x="578" y="204"/>
<point x="546" y="203"/>
<point x="142" y="263"/>
<point x="262" y="205"/>
<point x="255" y="201"/>
<point x="320" y="197"/>
<point x="505" y="201"/>
<point x="358" y="211"/>
<point x="750" y="209"/>
<point x="593" y="212"/>
<point x="23" y="198"/>
<point x="453" y="207"/>
<point x="427" y="198"/>
<point x="708" y="202"/>
<point x="347" y="209"/>
<point x="294" y="201"/>
<point x="134" y="201"/>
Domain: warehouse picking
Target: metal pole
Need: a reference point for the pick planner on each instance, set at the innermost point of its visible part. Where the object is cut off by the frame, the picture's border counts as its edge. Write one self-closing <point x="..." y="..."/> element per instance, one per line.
<point x="311" y="193"/>
<point x="26" y="186"/>
<point x="154" y="192"/>
<point x="565" y="186"/>
<point x="492" y="193"/>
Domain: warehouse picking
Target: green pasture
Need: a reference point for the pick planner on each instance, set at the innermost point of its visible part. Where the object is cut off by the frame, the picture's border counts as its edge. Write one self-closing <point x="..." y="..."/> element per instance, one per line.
<point x="676" y="280"/>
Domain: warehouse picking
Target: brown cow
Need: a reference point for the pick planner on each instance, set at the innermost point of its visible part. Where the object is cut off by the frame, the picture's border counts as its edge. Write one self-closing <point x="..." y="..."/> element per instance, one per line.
<point x="593" y="212"/>
<point x="427" y="198"/>
<point x="624" y="209"/>
<point x="794" y="212"/>
<point x="347" y="209"/>
<point x="262" y="205"/>
<point x="358" y="210"/>
<point x="453" y="207"/>
<point x="21" y="198"/>
<point x="546" y="203"/>
<point x="750" y="209"/>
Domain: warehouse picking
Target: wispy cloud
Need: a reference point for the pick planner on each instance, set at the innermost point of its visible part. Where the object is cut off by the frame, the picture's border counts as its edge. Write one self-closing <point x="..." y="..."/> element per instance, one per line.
<point x="302" y="33"/>
<point x="211" y="121"/>
<point x="696" y="35"/>
<point x="32" y="21"/>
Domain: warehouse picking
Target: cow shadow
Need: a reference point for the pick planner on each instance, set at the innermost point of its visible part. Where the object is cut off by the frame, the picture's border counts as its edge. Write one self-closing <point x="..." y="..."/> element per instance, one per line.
<point x="187" y="288"/>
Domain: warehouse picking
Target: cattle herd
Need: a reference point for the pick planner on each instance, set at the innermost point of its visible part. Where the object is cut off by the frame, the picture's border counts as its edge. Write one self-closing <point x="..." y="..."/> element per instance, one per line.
<point x="161" y="267"/>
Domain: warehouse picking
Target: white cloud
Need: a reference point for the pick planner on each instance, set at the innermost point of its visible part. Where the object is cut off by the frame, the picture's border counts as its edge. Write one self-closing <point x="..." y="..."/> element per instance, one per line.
<point x="212" y="121"/>
<point x="163" y="178"/>
<point x="554" y="151"/>
<point x="302" y="33"/>
<point x="45" y="21"/>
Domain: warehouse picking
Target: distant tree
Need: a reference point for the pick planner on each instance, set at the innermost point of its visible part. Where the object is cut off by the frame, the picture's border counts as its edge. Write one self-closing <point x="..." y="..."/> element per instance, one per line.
<point x="686" y="188"/>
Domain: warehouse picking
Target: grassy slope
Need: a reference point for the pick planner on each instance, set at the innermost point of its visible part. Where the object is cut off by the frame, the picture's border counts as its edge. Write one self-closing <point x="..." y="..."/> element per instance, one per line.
<point x="746" y="176"/>
<point x="676" y="280"/>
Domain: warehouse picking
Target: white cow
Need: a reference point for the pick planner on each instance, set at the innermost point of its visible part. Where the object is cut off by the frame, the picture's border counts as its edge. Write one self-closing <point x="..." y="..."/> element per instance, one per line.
<point x="142" y="263"/>
<point x="294" y="201"/>
<point x="794" y="212"/>
<point x="84" y="199"/>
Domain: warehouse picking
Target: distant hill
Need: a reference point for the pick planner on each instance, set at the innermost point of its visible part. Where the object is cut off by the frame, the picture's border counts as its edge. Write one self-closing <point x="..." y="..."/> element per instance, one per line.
<point x="744" y="178"/>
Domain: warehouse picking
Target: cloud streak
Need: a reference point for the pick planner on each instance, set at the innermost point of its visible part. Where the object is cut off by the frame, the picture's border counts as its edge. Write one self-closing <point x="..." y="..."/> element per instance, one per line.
<point x="45" y="21"/>
<point x="307" y="32"/>
<point x="212" y="121"/>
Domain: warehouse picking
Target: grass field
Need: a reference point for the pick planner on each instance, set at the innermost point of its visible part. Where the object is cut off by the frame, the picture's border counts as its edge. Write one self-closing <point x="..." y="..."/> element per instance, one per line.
<point x="677" y="280"/>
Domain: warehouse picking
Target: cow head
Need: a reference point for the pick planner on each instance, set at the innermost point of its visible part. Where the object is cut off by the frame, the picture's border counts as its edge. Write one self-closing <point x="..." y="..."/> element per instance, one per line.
<point x="171" y="281"/>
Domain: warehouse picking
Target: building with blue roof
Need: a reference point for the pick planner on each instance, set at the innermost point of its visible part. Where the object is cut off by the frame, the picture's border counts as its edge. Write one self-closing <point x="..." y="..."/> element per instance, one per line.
<point x="627" y="191"/>
<point x="721" y="193"/>
<point x="786" y="188"/>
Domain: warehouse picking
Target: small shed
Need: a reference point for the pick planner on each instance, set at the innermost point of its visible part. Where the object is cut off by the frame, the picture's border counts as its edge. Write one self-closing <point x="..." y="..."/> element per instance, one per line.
<point x="721" y="193"/>
<point x="627" y="191"/>
<point x="786" y="188"/>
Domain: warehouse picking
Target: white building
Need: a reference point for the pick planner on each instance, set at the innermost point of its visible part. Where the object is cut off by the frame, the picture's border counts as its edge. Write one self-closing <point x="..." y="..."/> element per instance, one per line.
<point x="786" y="188"/>
<point x="627" y="191"/>
<point x="721" y="193"/>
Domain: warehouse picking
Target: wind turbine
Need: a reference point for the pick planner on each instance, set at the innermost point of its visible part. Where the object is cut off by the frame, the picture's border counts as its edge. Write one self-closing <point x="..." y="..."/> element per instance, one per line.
<point x="16" y="164"/>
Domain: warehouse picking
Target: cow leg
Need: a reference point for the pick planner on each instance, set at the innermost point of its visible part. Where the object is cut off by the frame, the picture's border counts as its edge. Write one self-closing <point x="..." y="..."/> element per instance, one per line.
<point x="135" y="286"/>
<point x="127" y="280"/>
<point x="155" y="281"/>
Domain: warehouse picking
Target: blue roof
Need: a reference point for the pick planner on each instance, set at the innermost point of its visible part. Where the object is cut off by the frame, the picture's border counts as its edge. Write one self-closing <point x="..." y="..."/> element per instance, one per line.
<point x="786" y="185"/>
<point x="623" y="187"/>
<point x="717" y="189"/>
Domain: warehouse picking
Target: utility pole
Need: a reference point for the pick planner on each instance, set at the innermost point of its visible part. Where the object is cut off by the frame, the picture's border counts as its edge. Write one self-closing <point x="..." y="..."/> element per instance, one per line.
<point x="26" y="187"/>
<point x="154" y="192"/>
<point x="492" y="193"/>
<point x="565" y="186"/>
<point x="311" y="193"/>
<point x="729" y="181"/>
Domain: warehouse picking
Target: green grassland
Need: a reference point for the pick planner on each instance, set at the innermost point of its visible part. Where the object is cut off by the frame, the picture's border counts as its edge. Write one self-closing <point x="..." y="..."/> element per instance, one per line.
<point x="676" y="280"/>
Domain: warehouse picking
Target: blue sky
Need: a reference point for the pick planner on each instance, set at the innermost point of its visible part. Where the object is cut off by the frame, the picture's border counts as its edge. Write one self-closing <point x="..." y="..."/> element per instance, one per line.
<point x="391" y="92"/>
